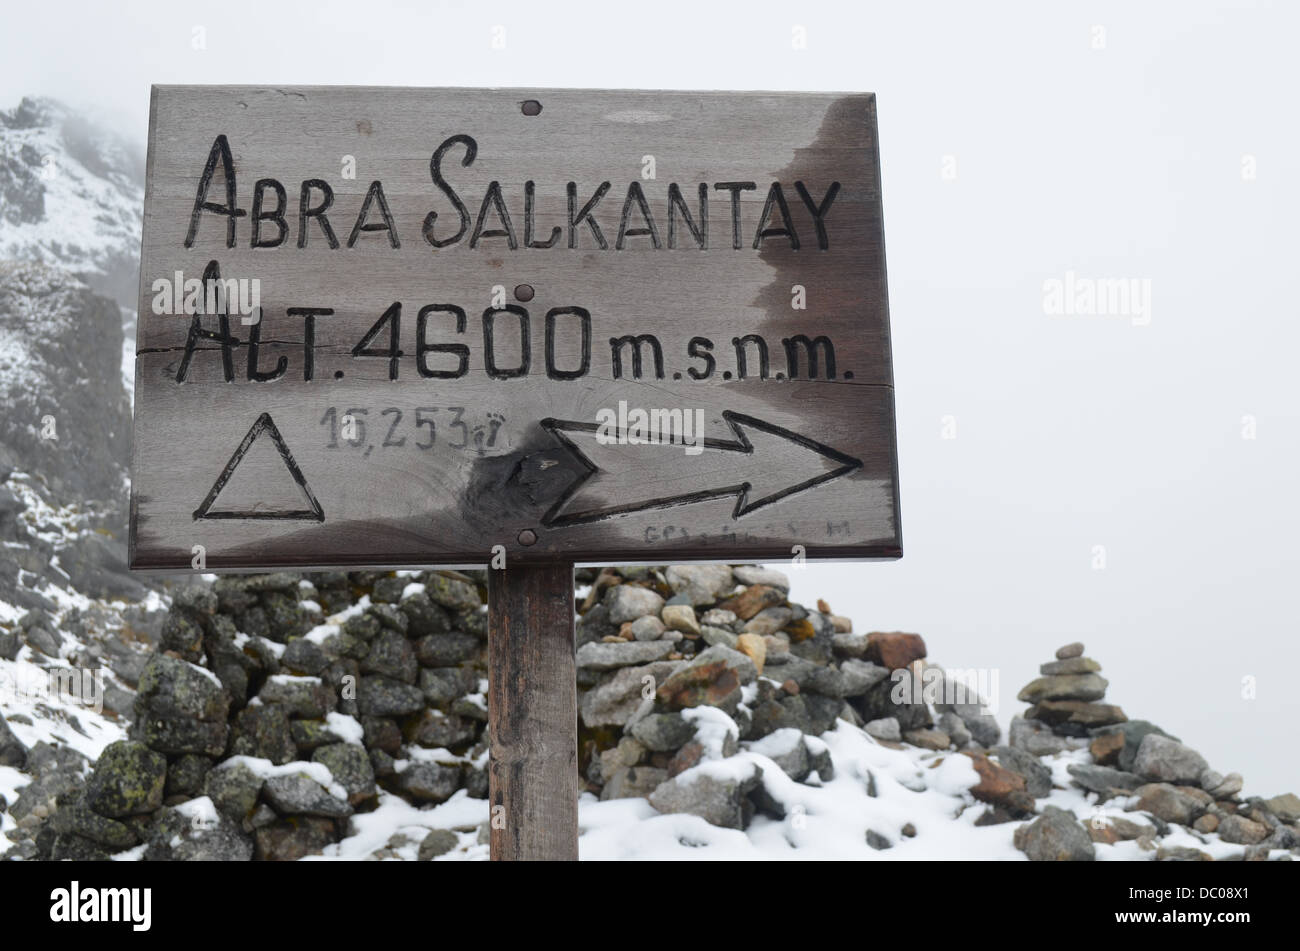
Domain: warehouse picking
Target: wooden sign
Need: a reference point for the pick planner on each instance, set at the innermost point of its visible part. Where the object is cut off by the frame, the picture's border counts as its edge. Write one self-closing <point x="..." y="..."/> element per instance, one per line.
<point x="392" y="327"/>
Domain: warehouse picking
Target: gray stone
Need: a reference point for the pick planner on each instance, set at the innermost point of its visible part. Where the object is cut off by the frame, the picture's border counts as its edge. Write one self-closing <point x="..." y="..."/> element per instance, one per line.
<point x="429" y="782"/>
<point x="662" y="732"/>
<point x="262" y="730"/>
<point x="627" y="602"/>
<point x="185" y="775"/>
<point x="721" y="802"/>
<point x="1101" y="779"/>
<point x="859" y="676"/>
<point x="1165" y="760"/>
<point x="952" y="724"/>
<point x="1134" y="732"/>
<point x="597" y="655"/>
<point x="886" y="728"/>
<point x="878" y="841"/>
<point x="614" y="701"/>
<point x="390" y="617"/>
<point x="307" y="697"/>
<point x="849" y="644"/>
<point x="297" y="794"/>
<point x="1036" y="738"/>
<point x="1075" y="665"/>
<point x="447" y="650"/>
<point x="1286" y="806"/>
<point x="233" y="789"/>
<point x="434" y="729"/>
<point x="631" y="782"/>
<point x="1228" y="787"/>
<point x="648" y="628"/>
<point x="76" y="819"/>
<point x="1064" y="687"/>
<point x="128" y="780"/>
<point x="424" y="616"/>
<point x="177" y="838"/>
<point x="787" y="749"/>
<point x="1055" y="836"/>
<point x="442" y="685"/>
<point x="437" y="842"/>
<point x="768" y="621"/>
<point x="757" y="574"/>
<point x="391" y="655"/>
<point x="700" y="584"/>
<point x="45" y="641"/>
<point x="719" y="617"/>
<point x="1069" y="650"/>
<point x="381" y="697"/>
<point x="452" y="590"/>
<point x="170" y="687"/>
<point x="12" y="751"/>
<point x="715" y="636"/>
<point x="289" y="840"/>
<point x="350" y="766"/>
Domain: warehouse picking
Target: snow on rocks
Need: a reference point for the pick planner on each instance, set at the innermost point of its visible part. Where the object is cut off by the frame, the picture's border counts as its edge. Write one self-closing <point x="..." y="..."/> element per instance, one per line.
<point x="339" y="715"/>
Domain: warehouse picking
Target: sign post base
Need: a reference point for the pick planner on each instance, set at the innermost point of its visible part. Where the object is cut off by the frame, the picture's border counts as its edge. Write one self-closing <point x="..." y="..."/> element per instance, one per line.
<point x="532" y="714"/>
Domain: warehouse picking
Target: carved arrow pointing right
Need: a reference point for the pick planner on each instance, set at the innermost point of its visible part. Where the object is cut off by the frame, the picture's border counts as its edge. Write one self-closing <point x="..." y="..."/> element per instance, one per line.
<point x="762" y="465"/>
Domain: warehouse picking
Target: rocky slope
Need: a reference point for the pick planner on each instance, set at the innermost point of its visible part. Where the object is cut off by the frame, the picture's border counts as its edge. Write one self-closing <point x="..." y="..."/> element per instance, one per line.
<point x="71" y="197"/>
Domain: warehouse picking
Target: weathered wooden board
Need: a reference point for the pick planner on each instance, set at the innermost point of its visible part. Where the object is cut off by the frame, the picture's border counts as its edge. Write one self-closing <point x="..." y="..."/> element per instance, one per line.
<point x="533" y="712"/>
<point x="505" y="410"/>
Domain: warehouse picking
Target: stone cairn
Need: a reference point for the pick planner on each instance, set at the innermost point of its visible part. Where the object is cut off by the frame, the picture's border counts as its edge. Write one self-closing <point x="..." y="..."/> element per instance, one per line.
<point x="1150" y="772"/>
<point x="275" y="708"/>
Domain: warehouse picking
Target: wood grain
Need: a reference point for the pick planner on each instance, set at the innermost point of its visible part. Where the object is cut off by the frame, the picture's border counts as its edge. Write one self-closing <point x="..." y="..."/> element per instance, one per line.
<point x="386" y="498"/>
<point x="533" y="710"/>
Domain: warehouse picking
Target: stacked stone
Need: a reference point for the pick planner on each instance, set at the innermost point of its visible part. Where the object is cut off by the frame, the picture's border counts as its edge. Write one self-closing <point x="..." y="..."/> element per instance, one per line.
<point x="286" y="725"/>
<point x="1067" y="696"/>
<point x="661" y="648"/>
<point x="260" y="730"/>
<point x="1138" y="765"/>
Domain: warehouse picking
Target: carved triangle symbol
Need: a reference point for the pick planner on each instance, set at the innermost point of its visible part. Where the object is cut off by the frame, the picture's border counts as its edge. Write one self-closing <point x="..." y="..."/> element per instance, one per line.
<point x="264" y="425"/>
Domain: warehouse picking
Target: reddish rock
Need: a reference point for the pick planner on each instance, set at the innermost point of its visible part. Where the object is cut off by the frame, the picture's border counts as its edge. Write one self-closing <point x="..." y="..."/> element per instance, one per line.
<point x="688" y="756"/>
<point x="894" y="650"/>
<point x="700" y="685"/>
<point x="752" y="600"/>
<point x="1105" y="749"/>
<point x="998" y="785"/>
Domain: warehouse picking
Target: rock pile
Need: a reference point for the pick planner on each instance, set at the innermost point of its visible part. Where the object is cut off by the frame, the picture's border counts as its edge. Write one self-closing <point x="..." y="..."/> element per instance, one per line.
<point x="1067" y="697"/>
<point x="1140" y="767"/>
<point x="732" y="661"/>
<point x="279" y="708"/>
<point x="259" y="728"/>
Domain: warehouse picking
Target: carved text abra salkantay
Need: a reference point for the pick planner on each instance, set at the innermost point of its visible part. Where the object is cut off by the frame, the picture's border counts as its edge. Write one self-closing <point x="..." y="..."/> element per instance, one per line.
<point x="675" y="219"/>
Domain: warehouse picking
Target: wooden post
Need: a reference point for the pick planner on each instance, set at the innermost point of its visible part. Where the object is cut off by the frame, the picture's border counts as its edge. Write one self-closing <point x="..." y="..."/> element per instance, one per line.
<point x="532" y="714"/>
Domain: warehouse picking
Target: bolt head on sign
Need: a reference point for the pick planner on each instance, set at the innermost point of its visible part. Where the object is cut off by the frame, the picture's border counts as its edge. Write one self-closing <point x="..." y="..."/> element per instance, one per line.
<point x="390" y="327"/>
